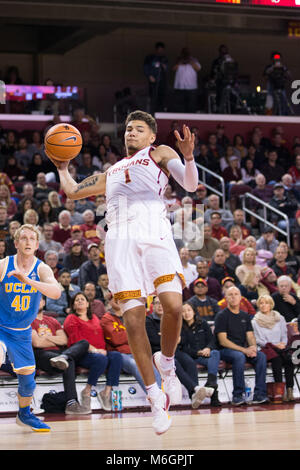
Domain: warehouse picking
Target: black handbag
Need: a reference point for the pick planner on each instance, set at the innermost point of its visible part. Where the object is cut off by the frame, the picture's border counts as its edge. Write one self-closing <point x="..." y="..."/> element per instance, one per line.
<point x="54" y="402"/>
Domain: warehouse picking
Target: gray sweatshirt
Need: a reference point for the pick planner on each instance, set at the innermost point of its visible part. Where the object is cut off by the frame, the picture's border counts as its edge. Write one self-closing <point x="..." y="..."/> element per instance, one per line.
<point x="275" y="335"/>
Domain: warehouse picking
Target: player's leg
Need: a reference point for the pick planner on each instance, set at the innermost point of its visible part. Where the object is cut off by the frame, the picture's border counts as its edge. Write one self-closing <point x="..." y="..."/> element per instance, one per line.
<point x="21" y="355"/>
<point x="26" y="388"/>
<point x="2" y="353"/>
<point x="3" y="346"/>
<point x="134" y="320"/>
<point x="171" y="322"/>
<point x="170" y="296"/>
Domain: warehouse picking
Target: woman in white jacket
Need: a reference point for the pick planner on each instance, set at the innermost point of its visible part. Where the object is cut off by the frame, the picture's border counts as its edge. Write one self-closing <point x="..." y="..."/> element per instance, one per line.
<point x="270" y="331"/>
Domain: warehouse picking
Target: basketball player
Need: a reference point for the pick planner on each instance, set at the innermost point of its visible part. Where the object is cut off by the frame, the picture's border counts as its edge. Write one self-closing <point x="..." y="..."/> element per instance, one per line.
<point x="23" y="279"/>
<point x="140" y="252"/>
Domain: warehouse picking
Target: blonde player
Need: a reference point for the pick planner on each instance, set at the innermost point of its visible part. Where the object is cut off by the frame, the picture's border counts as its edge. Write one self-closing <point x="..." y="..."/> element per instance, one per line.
<point x="140" y="252"/>
<point x="23" y="280"/>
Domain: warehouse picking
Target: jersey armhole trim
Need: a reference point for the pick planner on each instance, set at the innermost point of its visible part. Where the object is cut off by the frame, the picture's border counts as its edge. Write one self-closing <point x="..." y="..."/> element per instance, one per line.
<point x="161" y="169"/>
<point x="38" y="268"/>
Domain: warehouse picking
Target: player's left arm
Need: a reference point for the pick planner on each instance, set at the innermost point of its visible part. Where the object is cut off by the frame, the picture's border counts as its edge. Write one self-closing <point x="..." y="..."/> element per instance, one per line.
<point x="47" y="285"/>
<point x="185" y="174"/>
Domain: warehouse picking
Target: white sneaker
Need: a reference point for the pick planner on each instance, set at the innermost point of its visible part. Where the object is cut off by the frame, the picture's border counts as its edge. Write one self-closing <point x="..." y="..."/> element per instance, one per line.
<point x="209" y="391"/>
<point x="170" y="383"/>
<point x="60" y="362"/>
<point x="159" y="407"/>
<point x="2" y="353"/>
<point x="198" y="397"/>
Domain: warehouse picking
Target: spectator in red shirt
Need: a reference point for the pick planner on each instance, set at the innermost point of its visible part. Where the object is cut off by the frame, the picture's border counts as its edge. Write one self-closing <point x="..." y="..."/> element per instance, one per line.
<point x="83" y="324"/>
<point x="237" y="244"/>
<point x="76" y="234"/>
<point x="81" y="121"/>
<point x="218" y="231"/>
<point x="49" y="343"/>
<point x="294" y="171"/>
<point x="89" y="227"/>
<point x="62" y="231"/>
<point x="245" y="304"/>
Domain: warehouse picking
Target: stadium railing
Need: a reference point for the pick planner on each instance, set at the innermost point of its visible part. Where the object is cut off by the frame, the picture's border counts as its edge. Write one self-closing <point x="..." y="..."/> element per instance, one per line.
<point x="221" y="193"/>
<point x="264" y="218"/>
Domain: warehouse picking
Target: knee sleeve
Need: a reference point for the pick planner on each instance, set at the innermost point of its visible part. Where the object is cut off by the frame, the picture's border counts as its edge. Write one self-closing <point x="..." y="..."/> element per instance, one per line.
<point x="26" y="385"/>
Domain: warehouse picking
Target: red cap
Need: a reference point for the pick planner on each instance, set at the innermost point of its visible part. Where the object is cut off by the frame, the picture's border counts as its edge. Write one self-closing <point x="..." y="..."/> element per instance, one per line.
<point x="228" y="278"/>
<point x="200" y="279"/>
<point x="76" y="228"/>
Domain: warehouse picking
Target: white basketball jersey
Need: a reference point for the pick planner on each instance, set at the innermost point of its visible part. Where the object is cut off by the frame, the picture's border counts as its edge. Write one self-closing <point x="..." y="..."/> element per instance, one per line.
<point x="134" y="189"/>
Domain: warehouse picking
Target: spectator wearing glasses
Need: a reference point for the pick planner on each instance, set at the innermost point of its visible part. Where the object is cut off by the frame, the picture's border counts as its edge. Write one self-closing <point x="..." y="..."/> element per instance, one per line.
<point x="218" y="231"/>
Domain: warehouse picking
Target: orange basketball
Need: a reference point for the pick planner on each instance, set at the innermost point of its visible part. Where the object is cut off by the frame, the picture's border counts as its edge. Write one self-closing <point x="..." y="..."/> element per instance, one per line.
<point x="63" y="142"/>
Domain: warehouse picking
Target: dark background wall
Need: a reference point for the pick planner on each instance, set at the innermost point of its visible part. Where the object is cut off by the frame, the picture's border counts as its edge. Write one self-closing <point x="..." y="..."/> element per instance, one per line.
<point x="104" y="57"/>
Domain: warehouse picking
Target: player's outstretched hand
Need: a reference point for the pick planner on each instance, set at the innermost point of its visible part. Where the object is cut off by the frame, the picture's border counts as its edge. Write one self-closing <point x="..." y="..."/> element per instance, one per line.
<point x="187" y="144"/>
<point x="20" y="276"/>
<point x="58" y="163"/>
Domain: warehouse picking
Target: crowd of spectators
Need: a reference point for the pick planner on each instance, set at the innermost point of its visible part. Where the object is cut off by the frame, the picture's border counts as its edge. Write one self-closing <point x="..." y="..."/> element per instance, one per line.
<point x="236" y="268"/>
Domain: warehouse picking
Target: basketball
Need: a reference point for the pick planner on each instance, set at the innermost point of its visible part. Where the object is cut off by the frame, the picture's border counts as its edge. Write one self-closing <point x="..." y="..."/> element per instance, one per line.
<point x="63" y="142"/>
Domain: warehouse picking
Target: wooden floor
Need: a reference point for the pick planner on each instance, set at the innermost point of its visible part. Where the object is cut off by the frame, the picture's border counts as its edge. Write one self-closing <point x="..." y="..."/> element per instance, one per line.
<point x="260" y="427"/>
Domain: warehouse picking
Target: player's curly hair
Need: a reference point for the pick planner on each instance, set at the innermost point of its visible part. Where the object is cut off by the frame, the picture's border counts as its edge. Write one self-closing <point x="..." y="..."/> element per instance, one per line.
<point x="142" y="116"/>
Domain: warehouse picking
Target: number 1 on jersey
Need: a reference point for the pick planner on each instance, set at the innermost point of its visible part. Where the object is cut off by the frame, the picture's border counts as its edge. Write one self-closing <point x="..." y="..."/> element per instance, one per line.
<point x="127" y="176"/>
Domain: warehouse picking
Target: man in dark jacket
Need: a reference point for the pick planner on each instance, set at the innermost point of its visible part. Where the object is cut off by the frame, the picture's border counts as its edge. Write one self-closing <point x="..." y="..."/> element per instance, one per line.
<point x="214" y="288"/>
<point x="219" y="268"/>
<point x="287" y="303"/>
<point x="91" y="269"/>
<point x="284" y="203"/>
<point x="155" y="69"/>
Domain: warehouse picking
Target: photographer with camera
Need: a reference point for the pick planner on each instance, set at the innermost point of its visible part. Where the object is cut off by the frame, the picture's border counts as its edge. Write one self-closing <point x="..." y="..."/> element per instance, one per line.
<point x="224" y="72"/>
<point x="186" y="82"/>
<point x="277" y="75"/>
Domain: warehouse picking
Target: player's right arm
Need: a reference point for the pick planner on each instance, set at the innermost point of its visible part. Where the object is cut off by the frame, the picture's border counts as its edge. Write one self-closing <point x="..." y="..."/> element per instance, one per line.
<point x="90" y="186"/>
<point x="2" y="267"/>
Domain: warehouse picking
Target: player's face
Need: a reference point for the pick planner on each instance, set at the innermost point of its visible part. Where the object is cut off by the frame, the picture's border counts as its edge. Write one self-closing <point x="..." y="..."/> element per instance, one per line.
<point x="27" y="243"/>
<point x="138" y="135"/>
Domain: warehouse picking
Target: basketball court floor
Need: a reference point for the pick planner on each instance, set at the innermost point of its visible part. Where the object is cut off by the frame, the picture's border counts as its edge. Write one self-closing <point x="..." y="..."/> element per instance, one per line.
<point x="266" y="427"/>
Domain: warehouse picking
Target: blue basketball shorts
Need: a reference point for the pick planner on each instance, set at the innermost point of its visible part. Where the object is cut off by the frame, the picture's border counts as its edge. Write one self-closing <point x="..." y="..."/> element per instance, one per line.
<point x="19" y="348"/>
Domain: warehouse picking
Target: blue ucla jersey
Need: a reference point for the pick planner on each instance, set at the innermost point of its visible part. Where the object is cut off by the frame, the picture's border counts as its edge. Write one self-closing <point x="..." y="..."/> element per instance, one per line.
<point x="19" y="303"/>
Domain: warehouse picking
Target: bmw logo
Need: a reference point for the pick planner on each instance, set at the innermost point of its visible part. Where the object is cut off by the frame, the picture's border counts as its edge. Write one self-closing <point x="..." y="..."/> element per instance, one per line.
<point x="132" y="390"/>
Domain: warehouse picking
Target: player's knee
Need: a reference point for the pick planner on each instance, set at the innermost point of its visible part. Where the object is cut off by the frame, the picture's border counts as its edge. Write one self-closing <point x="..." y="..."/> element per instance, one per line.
<point x="26" y="384"/>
